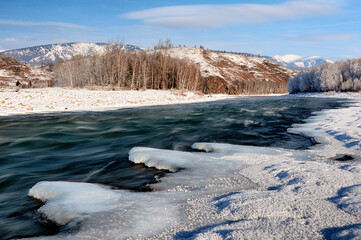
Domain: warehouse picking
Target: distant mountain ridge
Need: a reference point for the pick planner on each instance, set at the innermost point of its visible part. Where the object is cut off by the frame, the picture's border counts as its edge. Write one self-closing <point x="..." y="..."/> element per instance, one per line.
<point x="297" y="62"/>
<point x="51" y="53"/>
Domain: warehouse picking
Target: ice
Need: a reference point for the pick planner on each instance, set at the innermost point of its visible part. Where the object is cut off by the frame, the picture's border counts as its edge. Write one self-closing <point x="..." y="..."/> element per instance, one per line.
<point x="338" y="129"/>
<point x="68" y="200"/>
<point x="162" y="159"/>
<point x="99" y="212"/>
<point x="230" y="148"/>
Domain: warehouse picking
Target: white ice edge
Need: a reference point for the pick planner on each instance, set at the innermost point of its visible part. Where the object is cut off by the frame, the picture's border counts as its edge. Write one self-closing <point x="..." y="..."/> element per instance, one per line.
<point x="104" y="213"/>
<point x="241" y="191"/>
<point x="162" y="159"/>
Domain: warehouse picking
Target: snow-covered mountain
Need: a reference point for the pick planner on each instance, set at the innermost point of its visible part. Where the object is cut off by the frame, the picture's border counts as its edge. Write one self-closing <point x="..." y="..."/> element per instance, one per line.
<point x="51" y="53"/>
<point x="297" y="62"/>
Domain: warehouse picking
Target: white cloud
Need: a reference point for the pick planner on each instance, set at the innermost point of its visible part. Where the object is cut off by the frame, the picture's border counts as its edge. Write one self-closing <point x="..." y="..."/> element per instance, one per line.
<point x="322" y="37"/>
<point x="42" y="24"/>
<point x="10" y="40"/>
<point x="211" y="16"/>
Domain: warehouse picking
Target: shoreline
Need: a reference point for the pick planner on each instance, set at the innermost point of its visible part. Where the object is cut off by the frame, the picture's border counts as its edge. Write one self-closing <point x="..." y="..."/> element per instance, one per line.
<point x="68" y="100"/>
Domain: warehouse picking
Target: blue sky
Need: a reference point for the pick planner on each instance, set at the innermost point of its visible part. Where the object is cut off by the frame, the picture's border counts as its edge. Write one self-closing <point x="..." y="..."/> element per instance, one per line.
<point x="310" y="27"/>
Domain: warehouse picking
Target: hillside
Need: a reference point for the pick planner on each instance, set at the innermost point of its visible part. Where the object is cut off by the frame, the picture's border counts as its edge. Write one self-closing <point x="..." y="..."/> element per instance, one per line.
<point x="13" y="73"/>
<point x="236" y="73"/>
<point x="53" y="52"/>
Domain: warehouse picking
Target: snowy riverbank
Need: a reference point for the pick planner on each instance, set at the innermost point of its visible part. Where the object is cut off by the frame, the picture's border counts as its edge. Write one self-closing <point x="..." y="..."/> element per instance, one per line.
<point x="47" y="100"/>
<point x="229" y="191"/>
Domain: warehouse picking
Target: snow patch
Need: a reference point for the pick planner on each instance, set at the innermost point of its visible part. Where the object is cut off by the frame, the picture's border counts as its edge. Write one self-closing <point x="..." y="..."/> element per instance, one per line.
<point x="196" y="56"/>
<point x="5" y="73"/>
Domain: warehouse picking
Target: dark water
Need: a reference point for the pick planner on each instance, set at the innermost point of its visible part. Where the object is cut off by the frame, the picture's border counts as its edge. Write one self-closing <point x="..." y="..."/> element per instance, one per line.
<point x="93" y="147"/>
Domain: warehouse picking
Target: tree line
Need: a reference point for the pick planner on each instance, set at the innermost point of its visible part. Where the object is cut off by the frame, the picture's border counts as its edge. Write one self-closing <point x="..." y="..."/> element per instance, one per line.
<point x="156" y="69"/>
<point x="339" y="76"/>
<point x="129" y="70"/>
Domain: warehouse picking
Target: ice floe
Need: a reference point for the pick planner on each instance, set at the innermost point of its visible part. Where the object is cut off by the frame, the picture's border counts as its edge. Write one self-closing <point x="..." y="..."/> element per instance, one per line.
<point x="104" y="213"/>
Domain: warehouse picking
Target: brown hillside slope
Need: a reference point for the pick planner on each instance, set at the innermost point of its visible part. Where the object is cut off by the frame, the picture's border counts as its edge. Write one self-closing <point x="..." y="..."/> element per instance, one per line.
<point x="14" y="73"/>
<point x="235" y="73"/>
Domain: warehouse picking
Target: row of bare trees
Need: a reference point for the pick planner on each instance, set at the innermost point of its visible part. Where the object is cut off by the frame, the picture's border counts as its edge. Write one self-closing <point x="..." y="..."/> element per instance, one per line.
<point x="130" y="70"/>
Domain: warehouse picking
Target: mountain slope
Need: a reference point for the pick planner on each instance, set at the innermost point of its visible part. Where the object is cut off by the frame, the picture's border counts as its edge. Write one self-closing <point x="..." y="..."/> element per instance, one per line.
<point x="236" y="73"/>
<point x="297" y="62"/>
<point x="13" y="73"/>
<point x="51" y="53"/>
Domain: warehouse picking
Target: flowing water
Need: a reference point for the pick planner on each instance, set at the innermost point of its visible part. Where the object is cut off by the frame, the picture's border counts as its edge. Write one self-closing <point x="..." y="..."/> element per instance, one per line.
<point x="93" y="147"/>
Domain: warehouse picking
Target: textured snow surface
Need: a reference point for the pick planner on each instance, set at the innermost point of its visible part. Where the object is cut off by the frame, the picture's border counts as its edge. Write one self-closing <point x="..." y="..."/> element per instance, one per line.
<point x="234" y="192"/>
<point x="47" y="100"/>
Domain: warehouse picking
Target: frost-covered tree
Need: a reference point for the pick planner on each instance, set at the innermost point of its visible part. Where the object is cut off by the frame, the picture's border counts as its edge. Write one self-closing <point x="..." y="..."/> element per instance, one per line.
<point x="339" y="76"/>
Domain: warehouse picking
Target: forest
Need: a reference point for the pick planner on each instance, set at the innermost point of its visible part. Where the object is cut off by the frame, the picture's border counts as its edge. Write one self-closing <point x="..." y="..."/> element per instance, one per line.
<point x="339" y="76"/>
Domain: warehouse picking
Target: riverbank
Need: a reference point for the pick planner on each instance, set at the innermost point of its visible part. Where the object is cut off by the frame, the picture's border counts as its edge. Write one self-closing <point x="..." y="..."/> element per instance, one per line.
<point x="49" y="100"/>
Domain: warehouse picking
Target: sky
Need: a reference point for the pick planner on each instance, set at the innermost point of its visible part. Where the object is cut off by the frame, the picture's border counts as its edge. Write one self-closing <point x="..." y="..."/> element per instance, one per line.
<point x="327" y="28"/>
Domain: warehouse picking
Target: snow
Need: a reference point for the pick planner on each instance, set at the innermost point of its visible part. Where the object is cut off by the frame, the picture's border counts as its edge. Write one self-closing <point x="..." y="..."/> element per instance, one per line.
<point x="235" y="192"/>
<point x="162" y="159"/>
<point x="218" y="64"/>
<point x="49" y="100"/>
<point x="105" y="213"/>
<point x="5" y="73"/>
<point x="287" y="58"/>
<point x="195" y="55"/>
<point x="52" y="52"/>
<point x="67" y="200"/>
<point x="298" y="62"/>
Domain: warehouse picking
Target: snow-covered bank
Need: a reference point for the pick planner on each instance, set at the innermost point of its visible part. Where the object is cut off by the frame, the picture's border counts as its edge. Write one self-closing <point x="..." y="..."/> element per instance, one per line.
<point x="233" y="192"/>
<point x="47" y="100"/>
